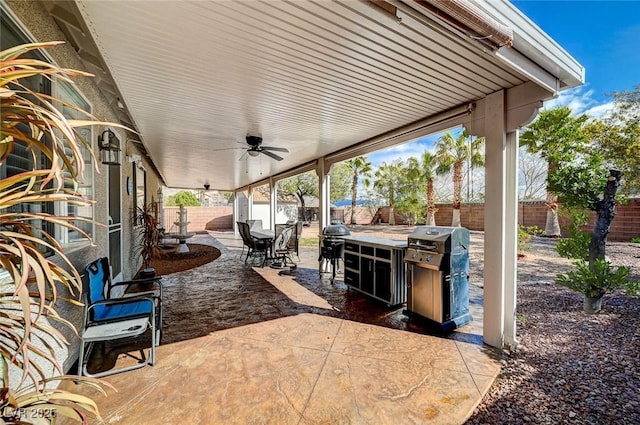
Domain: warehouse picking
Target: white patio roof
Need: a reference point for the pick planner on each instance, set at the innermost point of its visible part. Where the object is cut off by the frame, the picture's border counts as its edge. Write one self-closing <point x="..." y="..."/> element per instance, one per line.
<point x="314" y="77"/>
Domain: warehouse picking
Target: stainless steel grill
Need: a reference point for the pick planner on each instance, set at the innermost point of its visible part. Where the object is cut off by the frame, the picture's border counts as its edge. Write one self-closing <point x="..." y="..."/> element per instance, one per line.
<point x="437" y="277"/>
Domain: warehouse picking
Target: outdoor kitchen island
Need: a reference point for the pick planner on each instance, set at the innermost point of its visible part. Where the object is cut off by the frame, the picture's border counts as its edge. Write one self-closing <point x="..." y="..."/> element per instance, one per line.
<point x="375" y="267"/>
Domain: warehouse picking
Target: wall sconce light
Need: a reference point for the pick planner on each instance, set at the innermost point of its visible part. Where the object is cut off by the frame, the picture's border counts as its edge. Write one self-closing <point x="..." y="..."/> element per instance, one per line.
<point x="109" y="145"/>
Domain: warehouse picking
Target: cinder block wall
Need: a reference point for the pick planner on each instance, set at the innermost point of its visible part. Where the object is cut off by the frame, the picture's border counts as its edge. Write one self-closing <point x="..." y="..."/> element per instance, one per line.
<point x="625" y="226"/>
<point x="200" y="218"/>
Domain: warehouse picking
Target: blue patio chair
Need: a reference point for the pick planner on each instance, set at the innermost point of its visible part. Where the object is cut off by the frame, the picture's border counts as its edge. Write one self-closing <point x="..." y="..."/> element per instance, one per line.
<point x="110" y="313"/>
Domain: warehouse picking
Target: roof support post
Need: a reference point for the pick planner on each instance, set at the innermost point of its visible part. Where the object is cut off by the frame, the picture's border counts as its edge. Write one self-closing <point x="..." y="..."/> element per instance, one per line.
<point x="273" y="204"/>
<point x="498" y="117"/>
<point x="511" y="241"/>
<point x="495" y="219"/>
<point x="324" y="181"/>
<point x="250" y="203"/>
<point x="240" y="208"/>
<point x="236" y="213"/>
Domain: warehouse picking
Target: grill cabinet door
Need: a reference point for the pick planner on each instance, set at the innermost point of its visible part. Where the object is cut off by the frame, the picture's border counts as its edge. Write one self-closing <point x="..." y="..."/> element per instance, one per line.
<point x="383" y="280"/>
<point x="366" y="275"/>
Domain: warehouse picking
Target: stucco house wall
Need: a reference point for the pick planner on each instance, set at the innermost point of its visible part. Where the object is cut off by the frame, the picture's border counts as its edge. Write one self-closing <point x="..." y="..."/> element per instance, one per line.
<point x="36" y="22"/>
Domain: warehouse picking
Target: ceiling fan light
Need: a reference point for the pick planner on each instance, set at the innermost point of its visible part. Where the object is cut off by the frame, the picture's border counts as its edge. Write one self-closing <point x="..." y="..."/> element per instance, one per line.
<point x="254" y="153"/>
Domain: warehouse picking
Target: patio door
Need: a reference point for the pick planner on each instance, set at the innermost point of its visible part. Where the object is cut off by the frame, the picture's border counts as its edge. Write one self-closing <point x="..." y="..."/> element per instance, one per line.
<point x="115" y="222"/>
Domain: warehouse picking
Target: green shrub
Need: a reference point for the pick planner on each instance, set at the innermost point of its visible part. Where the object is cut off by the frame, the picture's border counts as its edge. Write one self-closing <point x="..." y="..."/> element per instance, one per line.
<point x="576" y="246"/>
<point x="524" y="236"/>
<point x="635" y="240"/>
<point x="597" y="282"/>
<point x="184" y="197"/>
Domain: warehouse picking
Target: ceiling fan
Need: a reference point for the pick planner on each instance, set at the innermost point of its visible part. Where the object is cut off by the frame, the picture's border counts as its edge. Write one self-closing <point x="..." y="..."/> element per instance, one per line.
<point x="256" y="148"/>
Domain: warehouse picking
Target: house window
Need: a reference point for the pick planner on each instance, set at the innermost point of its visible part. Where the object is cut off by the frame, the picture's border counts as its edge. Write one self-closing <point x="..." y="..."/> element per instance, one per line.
<point x="141" y="184"/>
<point x="22" y="158"/>
<point x="67" y="237"/>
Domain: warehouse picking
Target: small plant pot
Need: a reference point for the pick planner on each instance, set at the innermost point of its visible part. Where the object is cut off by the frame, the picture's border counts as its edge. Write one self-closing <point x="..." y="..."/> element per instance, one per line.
<point x="147" y="273"/>
<point x="592" y="305"/>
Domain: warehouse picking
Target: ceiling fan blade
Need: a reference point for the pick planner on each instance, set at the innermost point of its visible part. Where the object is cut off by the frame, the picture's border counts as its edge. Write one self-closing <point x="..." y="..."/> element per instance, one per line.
<point x="271" y="148"/>
<point x="225" y="149"/>
<point x="272" y="155"/>
<point x="243" y="156"/>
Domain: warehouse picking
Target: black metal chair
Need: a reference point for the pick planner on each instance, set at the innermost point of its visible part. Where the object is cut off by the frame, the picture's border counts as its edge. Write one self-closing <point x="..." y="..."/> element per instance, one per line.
<point x="294" y="242"/>
<point x="254" y="246"/>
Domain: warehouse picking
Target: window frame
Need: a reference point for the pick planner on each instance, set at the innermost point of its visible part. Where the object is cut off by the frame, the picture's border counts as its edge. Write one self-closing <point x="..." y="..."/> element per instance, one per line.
<point x="16" y="34"/>
<point x="86" y="184"/>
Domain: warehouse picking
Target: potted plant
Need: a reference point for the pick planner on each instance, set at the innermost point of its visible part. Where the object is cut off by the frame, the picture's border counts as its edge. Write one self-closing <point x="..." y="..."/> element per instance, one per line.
<point x="32" y="282"/>
<point x="148" y="238"/>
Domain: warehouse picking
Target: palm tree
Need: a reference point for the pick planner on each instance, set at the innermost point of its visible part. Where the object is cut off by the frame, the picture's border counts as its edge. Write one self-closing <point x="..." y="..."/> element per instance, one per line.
<point x="428" y="165"/>
<point x="453" y="153"/>
<point x="359" y="166"/>
<point x="557" y="136"/>
<point x="387" y="179"/>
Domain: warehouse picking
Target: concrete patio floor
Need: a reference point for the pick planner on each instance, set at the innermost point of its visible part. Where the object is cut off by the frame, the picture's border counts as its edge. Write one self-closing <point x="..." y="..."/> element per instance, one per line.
<point x="316" y="364"/>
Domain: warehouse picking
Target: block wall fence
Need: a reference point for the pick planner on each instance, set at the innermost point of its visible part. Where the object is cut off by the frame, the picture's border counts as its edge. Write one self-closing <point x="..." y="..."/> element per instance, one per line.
<point x="626" y="224"/>
<point x="200" y="218"/>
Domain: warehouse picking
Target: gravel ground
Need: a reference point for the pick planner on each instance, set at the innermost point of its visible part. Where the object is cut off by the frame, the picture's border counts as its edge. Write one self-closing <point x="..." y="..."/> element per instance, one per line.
<point x="572" y="367"/>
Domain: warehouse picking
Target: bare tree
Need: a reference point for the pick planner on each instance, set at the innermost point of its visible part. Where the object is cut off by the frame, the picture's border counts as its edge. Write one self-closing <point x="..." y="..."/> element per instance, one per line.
<point x="533" y="176"/>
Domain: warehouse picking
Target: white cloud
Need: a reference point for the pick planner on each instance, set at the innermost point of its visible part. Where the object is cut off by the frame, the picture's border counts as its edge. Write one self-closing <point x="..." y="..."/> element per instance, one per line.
<point x="401" y="152"/>
<point x="600" y="111"/>
<point x="408" y="150"/>
<point x="581" y="101"/>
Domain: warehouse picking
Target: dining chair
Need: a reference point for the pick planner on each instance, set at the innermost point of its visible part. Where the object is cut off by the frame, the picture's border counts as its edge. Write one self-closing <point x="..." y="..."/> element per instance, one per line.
<point x="281" y="251"/>
<point x="254" y="245"/>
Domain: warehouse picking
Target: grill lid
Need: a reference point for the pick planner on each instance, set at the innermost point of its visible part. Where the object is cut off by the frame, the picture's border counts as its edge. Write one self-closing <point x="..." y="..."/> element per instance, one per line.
<point x="336" y="230"/>
<point x="439" y="238"/>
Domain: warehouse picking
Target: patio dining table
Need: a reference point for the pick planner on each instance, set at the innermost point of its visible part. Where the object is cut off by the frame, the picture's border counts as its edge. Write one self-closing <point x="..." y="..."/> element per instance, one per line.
<point x="267" y="236"/>
<point x="264" y="234"/>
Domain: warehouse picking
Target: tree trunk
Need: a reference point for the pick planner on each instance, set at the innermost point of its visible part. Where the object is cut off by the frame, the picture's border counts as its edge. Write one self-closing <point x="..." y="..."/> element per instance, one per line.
<point x="431" y="207"/>
<point x="431" y="219"/>
<point x="392" y="216"/>
<point x="455" y="222"/>
<point x="592" y="305"/>
<point x="354" y="195"/>
<point x="552" y="227"/>
<point x="606" y="212"/>
<point x="457" y="186"/>
<point x="304" y="209"/>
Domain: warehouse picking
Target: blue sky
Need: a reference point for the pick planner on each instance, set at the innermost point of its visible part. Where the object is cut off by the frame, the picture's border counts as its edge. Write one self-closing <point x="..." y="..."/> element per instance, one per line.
<point x="604" y="36"/>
